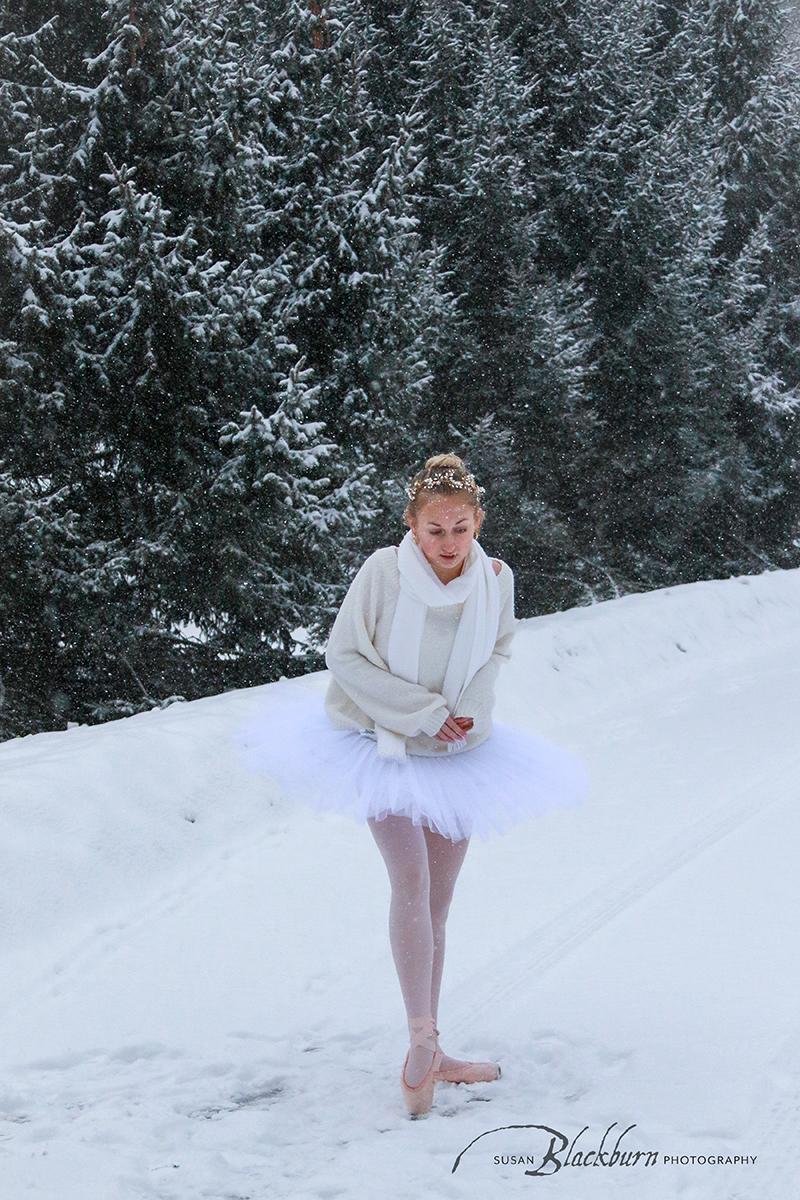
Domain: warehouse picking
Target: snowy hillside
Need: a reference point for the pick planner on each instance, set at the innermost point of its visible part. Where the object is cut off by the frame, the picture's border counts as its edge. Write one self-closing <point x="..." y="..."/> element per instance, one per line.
<point x="196" y="988"/>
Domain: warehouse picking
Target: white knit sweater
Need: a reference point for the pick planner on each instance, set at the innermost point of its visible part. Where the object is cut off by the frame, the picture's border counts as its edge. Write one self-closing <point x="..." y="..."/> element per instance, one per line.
<point x="363" y="691"/>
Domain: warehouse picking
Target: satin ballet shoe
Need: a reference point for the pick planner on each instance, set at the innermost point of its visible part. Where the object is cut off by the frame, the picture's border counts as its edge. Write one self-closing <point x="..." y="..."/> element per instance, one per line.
<point x="419" y="1097"/>
<point x="467" y="1072"/>
<point x="470" y="1072"/>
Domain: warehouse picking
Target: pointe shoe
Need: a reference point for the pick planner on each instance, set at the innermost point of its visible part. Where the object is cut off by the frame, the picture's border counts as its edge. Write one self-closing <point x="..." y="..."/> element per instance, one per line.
<point x="467" y="1072"/>
<point x="419" y="1097"/>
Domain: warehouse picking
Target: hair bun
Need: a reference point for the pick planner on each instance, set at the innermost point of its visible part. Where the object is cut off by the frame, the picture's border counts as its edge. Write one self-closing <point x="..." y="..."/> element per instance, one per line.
<point x="451" y="461"/>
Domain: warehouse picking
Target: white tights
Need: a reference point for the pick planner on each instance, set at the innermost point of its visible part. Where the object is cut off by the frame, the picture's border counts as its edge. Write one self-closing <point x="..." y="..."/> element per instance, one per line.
<point x="423" y="867"/>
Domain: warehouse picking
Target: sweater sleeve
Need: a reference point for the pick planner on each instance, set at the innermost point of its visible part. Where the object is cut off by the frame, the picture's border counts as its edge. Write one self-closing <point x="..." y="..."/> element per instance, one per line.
<point x="404" y="707"/>
<point x="478" y="698"/>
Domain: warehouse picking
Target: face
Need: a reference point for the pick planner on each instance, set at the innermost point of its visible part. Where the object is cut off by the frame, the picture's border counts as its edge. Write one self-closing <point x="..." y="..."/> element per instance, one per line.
<point x="445" y="528"/>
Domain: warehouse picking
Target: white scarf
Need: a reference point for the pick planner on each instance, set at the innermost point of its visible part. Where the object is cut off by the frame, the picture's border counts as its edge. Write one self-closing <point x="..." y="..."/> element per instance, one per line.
<point x="477" y="588"/>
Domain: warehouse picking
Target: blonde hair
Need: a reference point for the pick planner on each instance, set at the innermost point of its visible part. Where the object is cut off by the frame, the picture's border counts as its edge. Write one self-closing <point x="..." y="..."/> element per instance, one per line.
<point x="442" y="475"/>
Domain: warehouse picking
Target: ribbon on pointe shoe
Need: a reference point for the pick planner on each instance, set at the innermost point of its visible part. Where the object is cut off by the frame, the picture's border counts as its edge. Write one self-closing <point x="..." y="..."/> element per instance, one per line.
<point x="418" y="1097"/>
<point x="422" y="1029"/>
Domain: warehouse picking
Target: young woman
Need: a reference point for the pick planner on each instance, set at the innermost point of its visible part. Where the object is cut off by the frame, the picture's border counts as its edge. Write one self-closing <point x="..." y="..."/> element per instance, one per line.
<point x="406" y="742"/>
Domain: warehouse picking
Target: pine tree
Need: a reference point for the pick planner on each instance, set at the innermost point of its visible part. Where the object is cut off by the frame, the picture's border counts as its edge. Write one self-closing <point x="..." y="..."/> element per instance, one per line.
<point x="149" y="262"/>
<point x="626" y="217"/>
<point x="51" y="566"/>
<point x="276" y="517"/>
<point x="367" y="299"/>
<point x="746" y="99"/>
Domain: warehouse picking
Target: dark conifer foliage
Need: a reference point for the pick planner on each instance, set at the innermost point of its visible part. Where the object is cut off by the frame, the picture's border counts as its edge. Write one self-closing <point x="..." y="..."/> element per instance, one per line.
<point x="257" y="262"/>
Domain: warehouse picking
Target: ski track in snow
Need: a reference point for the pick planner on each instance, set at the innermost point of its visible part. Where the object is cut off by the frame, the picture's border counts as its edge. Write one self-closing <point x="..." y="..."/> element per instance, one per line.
<point x="558" y="937"/>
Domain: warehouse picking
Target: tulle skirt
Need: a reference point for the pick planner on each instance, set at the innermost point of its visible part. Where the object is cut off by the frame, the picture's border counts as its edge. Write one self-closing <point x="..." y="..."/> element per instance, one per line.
<point x="510" y="777"/>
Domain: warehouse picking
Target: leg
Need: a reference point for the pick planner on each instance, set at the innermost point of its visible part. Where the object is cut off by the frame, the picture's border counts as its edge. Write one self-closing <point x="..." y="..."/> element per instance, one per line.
<point x="444" y="860"/>
<point x="444" y="863"/>
<point x="402" y="845"/>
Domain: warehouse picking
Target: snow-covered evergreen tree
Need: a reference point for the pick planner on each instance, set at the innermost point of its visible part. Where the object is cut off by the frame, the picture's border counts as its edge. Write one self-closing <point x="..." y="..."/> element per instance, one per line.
<point x="276" y="518"/>
<point x="747" y="99"/>
<point x="150" y="263"/>
<point x="367" y="299"/>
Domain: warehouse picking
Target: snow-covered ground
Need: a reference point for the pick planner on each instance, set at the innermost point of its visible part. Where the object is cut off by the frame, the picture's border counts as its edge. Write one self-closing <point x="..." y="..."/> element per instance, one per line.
<point x="197" y="996"/>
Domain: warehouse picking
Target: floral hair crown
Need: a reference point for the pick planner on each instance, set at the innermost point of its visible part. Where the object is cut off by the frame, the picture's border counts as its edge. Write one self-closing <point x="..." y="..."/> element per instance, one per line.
<point x="447" y="476"/>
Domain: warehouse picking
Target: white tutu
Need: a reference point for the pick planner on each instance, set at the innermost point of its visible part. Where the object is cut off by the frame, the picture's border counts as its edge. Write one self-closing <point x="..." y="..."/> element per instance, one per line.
<point x="510" y="777"/>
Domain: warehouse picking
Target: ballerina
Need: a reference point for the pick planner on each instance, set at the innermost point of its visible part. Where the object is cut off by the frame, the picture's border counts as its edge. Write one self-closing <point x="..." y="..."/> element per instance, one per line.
<point x="406" y="742"/>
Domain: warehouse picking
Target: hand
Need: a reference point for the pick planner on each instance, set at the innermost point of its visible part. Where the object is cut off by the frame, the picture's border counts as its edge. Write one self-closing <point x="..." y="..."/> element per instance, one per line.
<point x="454" y="729"/>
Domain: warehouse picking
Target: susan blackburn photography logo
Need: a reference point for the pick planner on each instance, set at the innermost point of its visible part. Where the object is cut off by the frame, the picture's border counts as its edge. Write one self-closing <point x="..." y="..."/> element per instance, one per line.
<point x="549" y="1149"/>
